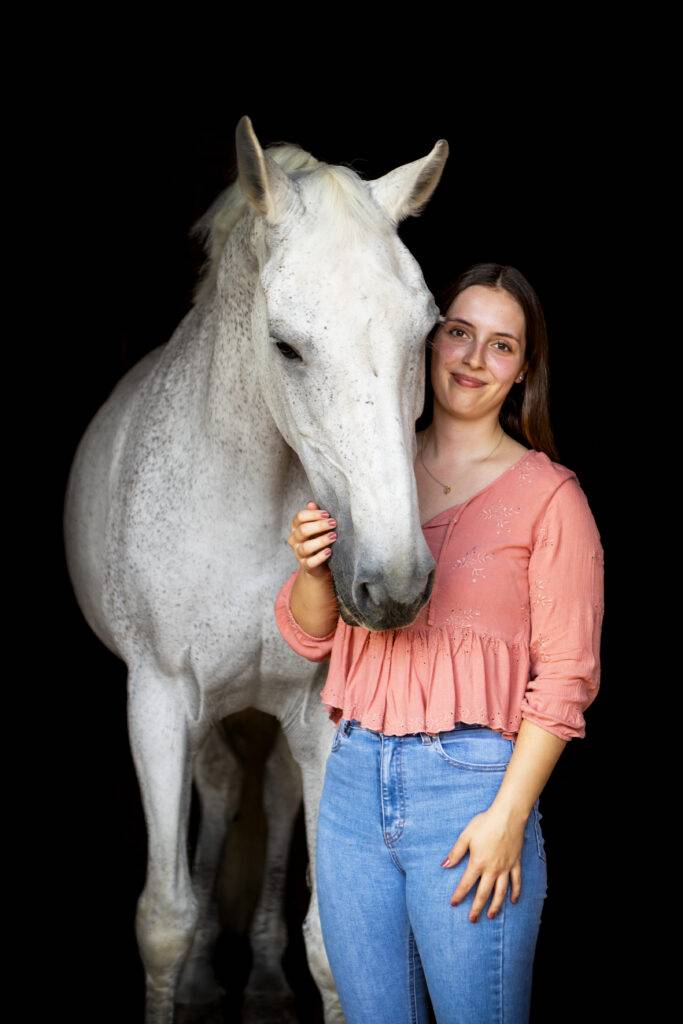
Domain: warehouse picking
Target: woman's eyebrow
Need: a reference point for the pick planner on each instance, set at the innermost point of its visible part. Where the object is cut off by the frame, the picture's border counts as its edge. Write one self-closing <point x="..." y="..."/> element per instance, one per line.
<point x="459" y="319"/>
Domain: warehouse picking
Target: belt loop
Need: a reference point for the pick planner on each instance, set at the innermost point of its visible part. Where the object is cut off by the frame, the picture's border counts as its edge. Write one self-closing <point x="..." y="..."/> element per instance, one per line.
<point x="347" y="727"/>
<point x="425" y="737"/>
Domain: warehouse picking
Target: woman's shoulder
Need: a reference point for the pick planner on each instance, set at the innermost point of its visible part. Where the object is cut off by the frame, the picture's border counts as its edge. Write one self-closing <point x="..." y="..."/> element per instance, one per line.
<point x="540" y="481"/>
<point x="561" y="494"/>
<point x="550" y="474"/>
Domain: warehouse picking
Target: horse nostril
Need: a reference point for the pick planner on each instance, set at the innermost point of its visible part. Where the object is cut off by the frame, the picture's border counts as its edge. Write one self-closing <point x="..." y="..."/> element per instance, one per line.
<point x="365" y="595"/>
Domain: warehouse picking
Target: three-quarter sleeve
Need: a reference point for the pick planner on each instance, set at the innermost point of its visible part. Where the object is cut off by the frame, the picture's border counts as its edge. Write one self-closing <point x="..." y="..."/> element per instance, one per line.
<point x="566" y="597"/>
<point x="315" y="648"/>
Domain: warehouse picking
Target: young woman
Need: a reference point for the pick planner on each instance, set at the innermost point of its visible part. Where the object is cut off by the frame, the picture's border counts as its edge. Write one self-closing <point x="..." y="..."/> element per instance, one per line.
<point x="431" y="865"/>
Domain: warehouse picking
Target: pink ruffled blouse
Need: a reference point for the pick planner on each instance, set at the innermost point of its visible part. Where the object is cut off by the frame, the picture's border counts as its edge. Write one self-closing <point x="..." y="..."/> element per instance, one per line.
<point x="512" y="629"/>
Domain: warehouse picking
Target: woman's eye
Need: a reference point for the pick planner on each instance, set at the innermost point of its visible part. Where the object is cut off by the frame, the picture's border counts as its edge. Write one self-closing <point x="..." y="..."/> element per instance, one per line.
<point x="457" y="331"/>
<point x="287" y="351"/>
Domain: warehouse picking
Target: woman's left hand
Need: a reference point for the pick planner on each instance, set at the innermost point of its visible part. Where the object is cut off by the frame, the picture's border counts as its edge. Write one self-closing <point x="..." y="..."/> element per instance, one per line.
<point x="495" y="842"/>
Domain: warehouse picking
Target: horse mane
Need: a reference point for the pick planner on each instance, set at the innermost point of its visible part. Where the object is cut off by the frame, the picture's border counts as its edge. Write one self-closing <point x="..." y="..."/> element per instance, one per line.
<point x="340" y="193"/>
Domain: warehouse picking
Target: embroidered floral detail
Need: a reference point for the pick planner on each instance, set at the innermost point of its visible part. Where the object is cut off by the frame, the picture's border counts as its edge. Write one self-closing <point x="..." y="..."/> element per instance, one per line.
<point x="471" y="559"/>
<point x="459" y="617"/>
<point x="544" y="539"/>
<point x="491" y="640"/>
<point x="537" y="645"/>
<point x="525" y="612"/>
<point x="525" y="471"/>
<point x="467" y="641"/>
<point x="540" y="599"/>
<point x="540" y="641"/>
<point x="501" y="514"/>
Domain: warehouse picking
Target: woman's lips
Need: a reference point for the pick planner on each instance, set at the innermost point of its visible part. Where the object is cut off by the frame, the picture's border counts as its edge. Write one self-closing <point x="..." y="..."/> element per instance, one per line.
<point x="467" y="382"/>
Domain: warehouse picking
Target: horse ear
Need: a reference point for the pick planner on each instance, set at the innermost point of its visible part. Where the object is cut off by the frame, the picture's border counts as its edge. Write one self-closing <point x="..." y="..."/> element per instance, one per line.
<point x="265" y="186"/>
<point x="405" y="191"/>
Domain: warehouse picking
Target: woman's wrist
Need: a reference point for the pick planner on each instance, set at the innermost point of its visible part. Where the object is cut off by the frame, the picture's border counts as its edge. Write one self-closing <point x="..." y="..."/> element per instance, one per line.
<point x="313" y="603"/>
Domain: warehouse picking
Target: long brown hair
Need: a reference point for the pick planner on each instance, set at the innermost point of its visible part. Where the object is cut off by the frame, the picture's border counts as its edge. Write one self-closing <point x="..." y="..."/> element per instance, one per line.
<point x="525" y="413"/>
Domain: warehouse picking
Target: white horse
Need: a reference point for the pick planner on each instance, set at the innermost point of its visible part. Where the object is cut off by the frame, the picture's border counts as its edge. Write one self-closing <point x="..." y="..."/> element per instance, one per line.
<point x="297" y="374"/>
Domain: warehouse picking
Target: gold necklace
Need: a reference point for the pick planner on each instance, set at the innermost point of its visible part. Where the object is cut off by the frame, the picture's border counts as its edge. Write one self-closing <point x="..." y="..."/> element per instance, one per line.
<point x="446" y="487"/>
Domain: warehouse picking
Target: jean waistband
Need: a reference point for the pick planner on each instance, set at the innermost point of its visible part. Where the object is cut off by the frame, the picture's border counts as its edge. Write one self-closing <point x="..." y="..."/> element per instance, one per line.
<point x="346" y="724"/>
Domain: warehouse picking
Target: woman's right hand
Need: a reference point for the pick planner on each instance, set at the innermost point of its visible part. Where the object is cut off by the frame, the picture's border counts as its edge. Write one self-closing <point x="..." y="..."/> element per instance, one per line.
<point x="310" y="540"/>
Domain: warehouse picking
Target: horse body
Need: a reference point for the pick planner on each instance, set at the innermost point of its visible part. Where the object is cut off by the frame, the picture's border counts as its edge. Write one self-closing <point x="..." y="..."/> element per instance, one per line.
<point x="179" y="500"/>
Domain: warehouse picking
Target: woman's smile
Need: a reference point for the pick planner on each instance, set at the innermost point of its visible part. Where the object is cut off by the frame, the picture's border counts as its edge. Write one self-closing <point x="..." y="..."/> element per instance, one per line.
<point x="467" y="382"/>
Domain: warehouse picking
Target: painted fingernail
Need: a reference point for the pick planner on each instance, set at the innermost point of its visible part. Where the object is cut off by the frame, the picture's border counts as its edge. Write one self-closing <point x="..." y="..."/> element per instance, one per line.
<point x="444" y="862"/>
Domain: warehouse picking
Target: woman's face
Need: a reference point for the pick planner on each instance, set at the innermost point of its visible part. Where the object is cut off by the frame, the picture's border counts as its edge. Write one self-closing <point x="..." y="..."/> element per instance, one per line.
<point x="484" y="339"/>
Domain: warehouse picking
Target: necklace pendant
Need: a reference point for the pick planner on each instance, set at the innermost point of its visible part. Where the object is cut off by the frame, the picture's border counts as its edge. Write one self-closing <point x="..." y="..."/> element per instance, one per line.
<point x="446" y="489"/>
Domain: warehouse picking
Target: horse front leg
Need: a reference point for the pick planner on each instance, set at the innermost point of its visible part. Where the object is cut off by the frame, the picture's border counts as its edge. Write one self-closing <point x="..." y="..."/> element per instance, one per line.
<point x="218" y="777"/>
<point x="167" y="909"/>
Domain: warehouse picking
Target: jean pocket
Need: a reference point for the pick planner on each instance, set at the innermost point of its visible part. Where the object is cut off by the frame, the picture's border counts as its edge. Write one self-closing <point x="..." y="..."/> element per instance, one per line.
<point x="476" y="751"/>
<point x="336" y="740"/>
<point x="540" y="841"/>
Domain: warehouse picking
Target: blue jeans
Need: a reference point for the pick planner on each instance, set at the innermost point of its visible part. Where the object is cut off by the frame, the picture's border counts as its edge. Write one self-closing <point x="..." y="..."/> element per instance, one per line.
<point x="391" y="809"/>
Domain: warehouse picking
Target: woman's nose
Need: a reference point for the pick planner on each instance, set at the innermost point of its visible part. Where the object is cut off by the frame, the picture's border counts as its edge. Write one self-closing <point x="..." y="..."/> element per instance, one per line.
<point x="473" y="357"/>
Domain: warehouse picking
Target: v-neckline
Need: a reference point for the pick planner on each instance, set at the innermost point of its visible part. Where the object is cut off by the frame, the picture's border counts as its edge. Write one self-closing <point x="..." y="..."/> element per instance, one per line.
<point x="500" y="476"/>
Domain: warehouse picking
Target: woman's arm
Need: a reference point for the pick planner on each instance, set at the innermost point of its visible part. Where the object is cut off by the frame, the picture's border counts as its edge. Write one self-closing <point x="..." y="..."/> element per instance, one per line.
<point x="566" y="594"/>
<point x="566" y="608"/>
<point x="494" y="838"/>
<point x="314" y="603"/>
<point x="535" y="755"/>
<point x="306" y="613"/>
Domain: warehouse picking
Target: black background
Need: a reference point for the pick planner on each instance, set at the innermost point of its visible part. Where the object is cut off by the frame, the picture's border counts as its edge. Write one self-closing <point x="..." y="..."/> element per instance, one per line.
<point x="537" y="186"/>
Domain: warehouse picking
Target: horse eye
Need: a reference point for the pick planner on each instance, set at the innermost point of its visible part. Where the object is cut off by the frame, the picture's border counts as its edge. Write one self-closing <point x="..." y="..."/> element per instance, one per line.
<point x="287" y="351"/>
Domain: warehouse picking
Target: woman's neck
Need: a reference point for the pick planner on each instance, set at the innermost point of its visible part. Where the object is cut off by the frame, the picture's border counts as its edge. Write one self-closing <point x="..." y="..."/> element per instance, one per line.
<point x="460" y="444"/>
